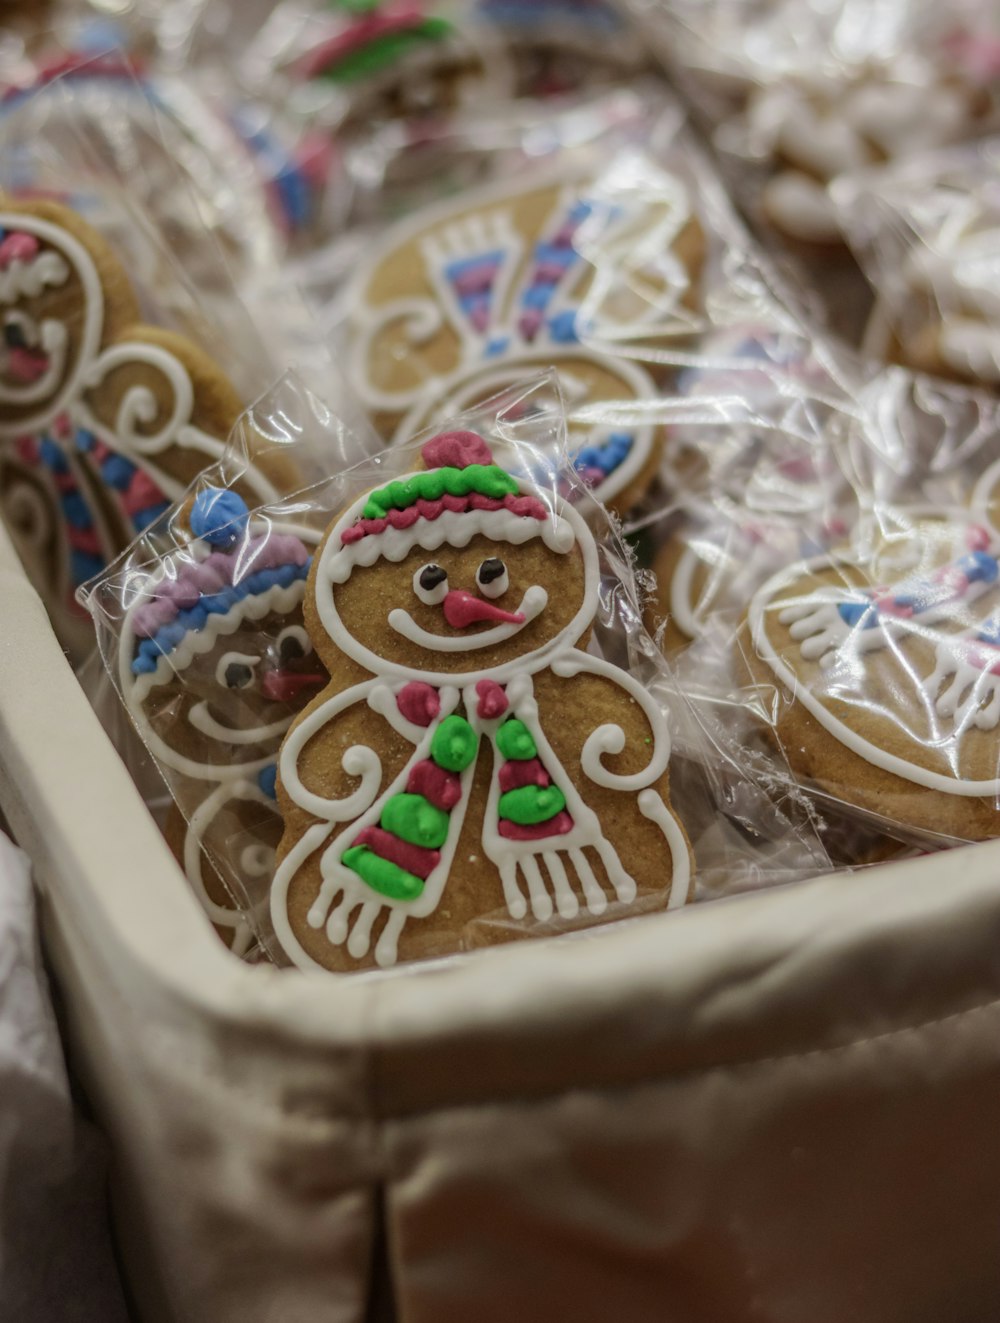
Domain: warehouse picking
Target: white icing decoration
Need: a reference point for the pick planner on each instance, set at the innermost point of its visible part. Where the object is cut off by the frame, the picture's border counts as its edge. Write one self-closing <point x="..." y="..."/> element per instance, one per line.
<point x="953" y="656"/>
<point x="201" y="718"/>
<point x="452" y="529"/>
<point x="533" y="603"/>
<point x="482" y="367"/>
<point x="26" y="280"/>
<point x="54" y="341"/>
<point x="346" y="908"/>
<point x="684" y="609"/>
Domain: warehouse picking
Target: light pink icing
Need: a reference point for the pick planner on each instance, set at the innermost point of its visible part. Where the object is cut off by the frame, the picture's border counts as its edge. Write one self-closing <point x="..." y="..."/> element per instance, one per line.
<point x="419" y="702"/>
<point x="492" y="699"/>
<point x="456" y="450"/>
<point x="462" y="608"/>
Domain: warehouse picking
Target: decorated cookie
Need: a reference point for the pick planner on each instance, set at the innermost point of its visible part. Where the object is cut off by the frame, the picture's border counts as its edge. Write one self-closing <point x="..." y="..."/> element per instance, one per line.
<point x="886" y="667"/>
<point x="461" y="301"/>
<point x="817" y="129"/>
<point x="213" y="663"/>
<point x="471" y="774"/>
<point x="103" y="421"/>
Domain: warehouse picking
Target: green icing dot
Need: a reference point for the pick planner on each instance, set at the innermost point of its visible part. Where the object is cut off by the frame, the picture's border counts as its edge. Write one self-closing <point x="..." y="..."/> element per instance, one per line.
<point x="453" y="746"/>
<point x="382" y="875"/>
<point x="514" y="740"/>
<point x="486" y="479"/>
<point x="530" y="804"/>
<point x="415" y="820"/>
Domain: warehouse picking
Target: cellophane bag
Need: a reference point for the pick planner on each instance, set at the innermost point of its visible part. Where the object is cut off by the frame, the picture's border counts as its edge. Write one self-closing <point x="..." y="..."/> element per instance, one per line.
<point x="927" y="233"/>
<point x="795" y="95"/>
<point x="203" y="632"/>
<point x="866" y="662"/>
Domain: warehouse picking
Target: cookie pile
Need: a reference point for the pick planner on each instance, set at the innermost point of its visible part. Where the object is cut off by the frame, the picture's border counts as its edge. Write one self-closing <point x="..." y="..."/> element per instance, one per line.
<point x="606" y="562"/>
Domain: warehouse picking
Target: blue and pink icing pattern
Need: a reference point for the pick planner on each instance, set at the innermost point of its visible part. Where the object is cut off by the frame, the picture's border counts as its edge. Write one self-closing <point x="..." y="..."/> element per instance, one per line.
<point x="918" y="596"/>
<point x="217" y="584"/>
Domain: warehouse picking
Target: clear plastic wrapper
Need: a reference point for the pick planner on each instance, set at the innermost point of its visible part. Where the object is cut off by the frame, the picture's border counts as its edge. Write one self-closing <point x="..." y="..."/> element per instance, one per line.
<point x="927" y="233"/>
<point x="218" y="641"/>
<point x="124" y="367"/>
<point x="795" y="95"/>
<point x="619" y="262"/>
<point x="863" y="656"/>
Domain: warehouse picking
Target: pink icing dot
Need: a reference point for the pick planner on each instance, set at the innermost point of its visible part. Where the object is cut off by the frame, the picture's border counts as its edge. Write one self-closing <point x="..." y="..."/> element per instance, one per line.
<point x="142" y="492"/>
<point x="353" y="534"/>
<point x="456" y="450"/>
<point x="492" y="699"/>
<point x="480" y="502"/>
<point x="17" y="247"/>
<point x="418" y="702"/>
<point x="403" y="518"/>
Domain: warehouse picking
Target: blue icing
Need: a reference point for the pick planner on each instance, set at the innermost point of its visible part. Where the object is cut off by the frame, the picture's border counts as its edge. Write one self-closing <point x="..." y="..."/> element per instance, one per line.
<point x="496" y="347"/>
<point x="83" y="440"/>
<point x="858" y="613"/>
<point x="193" y="618"/>
<point x="989" y="631"/>
<point x="558" y="254"/>
<point x="84" y="565"/>
<point x="605" y="458"/>
<point x="74" y="507"/>
<point x="267" y="780"/>
<point x="143" y="518"/>
<point x="117" y="471"/>
<point x="979" y="567"/>
<point x="562" y="327"/>
<point x="219" y="516"/>
<point x="457" y="269"/>
<point x="52" y="457"/>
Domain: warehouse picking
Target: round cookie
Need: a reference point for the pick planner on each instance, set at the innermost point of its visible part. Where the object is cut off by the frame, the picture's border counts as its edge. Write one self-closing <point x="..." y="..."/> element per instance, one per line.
<point x="213" y="663"/>
<point x="463" y="300"/>
<point x="886" y="665"/>
<point x="471" y="775"/>
<point x="103" y="421"/>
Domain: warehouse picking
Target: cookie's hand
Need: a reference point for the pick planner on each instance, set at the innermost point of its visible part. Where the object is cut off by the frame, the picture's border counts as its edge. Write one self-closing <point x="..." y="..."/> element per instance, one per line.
<point x="357" y="761"/>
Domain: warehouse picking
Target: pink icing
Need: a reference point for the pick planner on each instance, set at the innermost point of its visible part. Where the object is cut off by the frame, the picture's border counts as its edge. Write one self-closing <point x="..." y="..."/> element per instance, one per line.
<point x="442" y="788"/>
<point x="141" y="493"/>
<point x="196" y="579"/>
<point x="492" y="699"/>
<point x="462" y="608"/>
<point x="418" y="702"/>
<point x="456" y="450"/>
<point x="516" y="831"/>
<point x="525" y="507"/>
<point x="415" y="859"/>
<point x="522" y="772"/>
<point x="26" y="364"/>
<point x="17" y="247"/>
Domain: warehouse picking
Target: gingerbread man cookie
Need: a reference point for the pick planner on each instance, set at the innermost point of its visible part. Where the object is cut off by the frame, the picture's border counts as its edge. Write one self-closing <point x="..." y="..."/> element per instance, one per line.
<point x="887" y="663"/>
<point x="103" y="421"/>
<point x="463" y="300"/>
<point x="471" y="774"/>
<point x="213" y="663"/>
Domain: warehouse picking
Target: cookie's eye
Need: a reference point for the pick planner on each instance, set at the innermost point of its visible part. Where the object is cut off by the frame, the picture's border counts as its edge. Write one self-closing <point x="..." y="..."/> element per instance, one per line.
<point x="430" y="583"/>
<point x="16" y="331"/>
<point x="235" y="670"/>
<point x="492" y="578"/>
<point x="293" y="643"/>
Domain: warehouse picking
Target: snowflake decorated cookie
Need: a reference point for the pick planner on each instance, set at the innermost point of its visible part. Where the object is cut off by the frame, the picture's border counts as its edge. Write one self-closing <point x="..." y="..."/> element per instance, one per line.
<point x="213" y="664"/>
<point x="471" y="774"/>
<point x="103" y="421"/>
<point x="886" y="666"/>
<point x="462" y="300"/>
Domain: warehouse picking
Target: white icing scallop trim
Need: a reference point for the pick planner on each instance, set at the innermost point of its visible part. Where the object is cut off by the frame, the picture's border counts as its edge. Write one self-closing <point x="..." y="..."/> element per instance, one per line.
<point x="533" y="603"/>
<point x="452" y="528"/>
<point x="850" y="738"/>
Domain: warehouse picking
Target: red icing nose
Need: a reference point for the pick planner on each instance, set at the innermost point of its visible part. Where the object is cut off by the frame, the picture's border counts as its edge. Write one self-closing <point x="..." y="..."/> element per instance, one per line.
<point x="282" y="686"/>
<point x="461" y="609"/>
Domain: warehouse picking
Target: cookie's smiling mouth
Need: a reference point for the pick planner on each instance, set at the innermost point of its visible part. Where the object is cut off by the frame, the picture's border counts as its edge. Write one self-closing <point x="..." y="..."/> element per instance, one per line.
<point x="32" y="362"/>
<point x="533" y="603"/>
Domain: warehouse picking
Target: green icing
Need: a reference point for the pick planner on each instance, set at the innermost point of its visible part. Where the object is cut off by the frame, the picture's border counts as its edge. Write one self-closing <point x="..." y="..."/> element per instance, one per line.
<point x="530" y="804"/>
<point x="514" y="740"/>
<point x="453" y="745"/>
<point x="381" y="874"/>
<point x="415" y="820"/>
<point x="486" y="479"/>
<point x="383" y="51"/>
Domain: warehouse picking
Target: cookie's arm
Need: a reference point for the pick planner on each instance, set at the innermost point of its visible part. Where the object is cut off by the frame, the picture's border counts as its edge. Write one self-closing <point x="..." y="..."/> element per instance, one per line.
<point x="609" y="738"/>
<point x="358" y="761"/>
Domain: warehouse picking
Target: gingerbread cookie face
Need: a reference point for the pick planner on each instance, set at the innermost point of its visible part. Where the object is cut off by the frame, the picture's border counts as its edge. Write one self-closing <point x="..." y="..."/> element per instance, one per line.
<point x="435" y="796"/>
<point x="888" y="665"/>
<point x="466" y="299"/>
<point x="103" y="421"/>
<point x="213" y="664"/>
